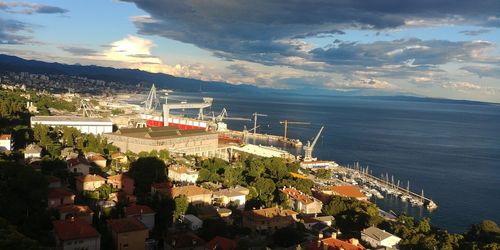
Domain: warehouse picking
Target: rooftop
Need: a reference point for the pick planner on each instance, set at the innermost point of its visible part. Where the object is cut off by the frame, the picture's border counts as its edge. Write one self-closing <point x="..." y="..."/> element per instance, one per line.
<point x="75" y="209"/>
<point x="55" y="193"/>
<point x="336" y="244"/>
<point x="74" y="229"/>
<point x="159" y="132"/>
<point x="229" y="192"/>
<point x="298" y="195"/>
<point x="269" y="213"/>
<point x="182" y="169"/>
<point x="134" y="210"/>
<point x="5" y="137"/>
<point x="90" y="178"/>
<point x="189" y="191"/>
<point x="126" y="225"/>
<point x="119" y="177"/>
<point x="96" y="157"/>
<point x="346" y="191"/>
<point x="221" y="243"/>
<point x="376" y="233"/>
<point x="39" y="118"/>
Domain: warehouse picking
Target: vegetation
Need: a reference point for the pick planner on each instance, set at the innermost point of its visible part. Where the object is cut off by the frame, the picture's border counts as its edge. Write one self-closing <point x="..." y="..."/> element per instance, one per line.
<point x="10" y="238"/>
<point x="352" y="215"/>
<point x="146" y="171"/>
<point x="181" y="206"/>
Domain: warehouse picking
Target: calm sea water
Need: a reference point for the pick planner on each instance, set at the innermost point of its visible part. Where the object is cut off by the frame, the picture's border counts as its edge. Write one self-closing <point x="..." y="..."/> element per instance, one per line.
<point x="450" y="150"/>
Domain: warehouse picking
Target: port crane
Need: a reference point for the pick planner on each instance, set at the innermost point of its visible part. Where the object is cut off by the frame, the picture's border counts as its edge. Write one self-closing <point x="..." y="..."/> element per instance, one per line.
<point x="219" y="120"/>
<point x="255" y="115"/>
<point x="207" y="102"/>
<point x="308" y="149"/>
<point x="286" y="122"/>
<point x="152" y="102"/>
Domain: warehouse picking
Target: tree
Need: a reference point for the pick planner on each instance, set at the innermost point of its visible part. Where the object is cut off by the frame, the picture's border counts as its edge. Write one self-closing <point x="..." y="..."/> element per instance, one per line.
<point x="146" y="171"/>
<point x="276" y="168"/>
<point x="233" y="176"/>
<point x="288" y="236"/>
<point x="324" y="173"/>
<point x="181" y="206"/>
<point x="265" y="188"/>
<point x="10" y="238"/>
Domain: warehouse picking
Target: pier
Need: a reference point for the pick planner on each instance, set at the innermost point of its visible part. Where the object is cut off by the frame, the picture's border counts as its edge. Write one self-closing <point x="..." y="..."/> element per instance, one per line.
<point x="390" y="187"/>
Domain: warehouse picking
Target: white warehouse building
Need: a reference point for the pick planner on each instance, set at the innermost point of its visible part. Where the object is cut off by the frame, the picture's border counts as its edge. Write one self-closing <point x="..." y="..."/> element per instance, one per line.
<point x="86" y="125"/>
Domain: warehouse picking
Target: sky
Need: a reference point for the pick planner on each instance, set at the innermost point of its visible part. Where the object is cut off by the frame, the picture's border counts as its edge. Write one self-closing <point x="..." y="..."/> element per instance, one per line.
<point x="435" y="48"/>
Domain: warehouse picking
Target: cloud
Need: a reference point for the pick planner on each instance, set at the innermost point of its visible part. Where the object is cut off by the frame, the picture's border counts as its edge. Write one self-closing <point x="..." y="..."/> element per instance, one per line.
<point x="10" y="29"/>
<point x="462" y="86"/>
<point x="79" y="51"/>
<point x="483" y="70"/>
<point x="475" y="32"/>
<point x="30" y="8"/>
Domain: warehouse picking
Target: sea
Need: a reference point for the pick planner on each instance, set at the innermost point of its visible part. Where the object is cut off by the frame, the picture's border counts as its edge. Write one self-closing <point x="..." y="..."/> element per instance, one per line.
<point x="449" y="149"/>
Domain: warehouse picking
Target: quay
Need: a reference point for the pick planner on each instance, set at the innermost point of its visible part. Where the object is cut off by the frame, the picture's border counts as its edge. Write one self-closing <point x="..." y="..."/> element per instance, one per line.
<point x="390" y="187"/>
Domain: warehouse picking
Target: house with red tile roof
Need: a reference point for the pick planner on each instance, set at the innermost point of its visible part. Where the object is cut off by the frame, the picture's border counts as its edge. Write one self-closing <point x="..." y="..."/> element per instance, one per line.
<point x="302" y="202"/>
<point x="89" y="182"/>
<point x="332" y="243"/>
<point x="197" y="196"/>
<point x="180" y="173"/>
<point x="78" y="165"/>
<point x="97" y="159"/>
<point x="5" y="142"/>
<point x="60" y="196"/>
<point x="183" y="241"/>
<point x="128" y="233"/>
<point x="269" y="218"/>
<point x="75" y="211"/>
<point x="76" y="234"/>
<point x="219" y="242"/>
<point x="122" y="182"/>
<point x="143" y="213"/>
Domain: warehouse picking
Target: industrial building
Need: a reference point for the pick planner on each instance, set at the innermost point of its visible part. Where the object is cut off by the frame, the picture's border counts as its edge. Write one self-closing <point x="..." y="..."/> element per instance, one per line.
<point x="189" y="142"/>
<point x="86" y="125"/>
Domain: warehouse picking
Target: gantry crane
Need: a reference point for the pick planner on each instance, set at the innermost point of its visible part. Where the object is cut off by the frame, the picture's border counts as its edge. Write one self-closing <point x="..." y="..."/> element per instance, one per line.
<point x="308" y="149"/>
<point x="152" y="102"/>
<point x="286" y="122"/>
<point x="255" y="115"/>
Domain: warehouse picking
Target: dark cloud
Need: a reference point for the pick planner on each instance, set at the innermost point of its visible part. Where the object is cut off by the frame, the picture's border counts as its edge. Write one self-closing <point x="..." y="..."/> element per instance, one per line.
<point x="79" y="51"/>
<point x="483" y="70"/>
<point x="411" y="52"/>
<point x="9" y="30"/>
<point x="257" y="31"/>
<point x="475" y="32"/>
<point x="30" y="8"/>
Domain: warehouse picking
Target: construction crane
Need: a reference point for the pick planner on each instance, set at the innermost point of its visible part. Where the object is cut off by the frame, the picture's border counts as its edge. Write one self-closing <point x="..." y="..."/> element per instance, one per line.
<point x="255" y="115"/>
<point x="152" y="102"/>
<point x="224" y="116"/>
<point x="308" y="149"/>
<point x="286" y="122"/>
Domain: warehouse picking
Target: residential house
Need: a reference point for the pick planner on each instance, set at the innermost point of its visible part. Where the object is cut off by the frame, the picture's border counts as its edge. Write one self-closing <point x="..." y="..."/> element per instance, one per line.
<point x="33" y="151"/>
<point x="76" y="234"/>
<point x="119" y="157"/>
<point x="310" y="221"/>
<point x="233" y="196"/>
<point x="183" y="241"/>
<point x="345" y="191"/>
<point x="75" y="211"/>
<point x="123" y="182"/>
<point x="128" y="233"/>
<point x="302" y="202"/>
<point x="78" y="165"/>
<point x="143" y="213"/>
<point x="194" y="223"/>
<point x="332" y="243"/>
<point x="68" y="153"/>
<point x="5" y="142"/>
<point x="60" y="196"/>
<point x="179" y="173"/>
<point x="89" y="182"/>
<point x="376" y="237"/>
<point x="97" y="159"/>
<point x="197" y="196"/>
<point x="268" y="218"/>
<point x="221" y="243"/>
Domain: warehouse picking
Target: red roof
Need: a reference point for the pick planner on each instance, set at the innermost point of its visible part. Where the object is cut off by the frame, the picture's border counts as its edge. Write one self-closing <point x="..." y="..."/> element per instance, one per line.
<point x="96" y="158"/>
<point x="162" y="185"/>
<point x="126" y="225"/>
<point x="5" y="137"/>
<point x="76" y="161"/>
<point x="90" y="178"/>
<point x="335" y="244"/>
<point x="221" y="243"/>
<point x="75" y="209"/>
<point x="74" y="229"/>
<point x="119" y="177"/>
<point x="138" y="210"/>
<point x="347" y="191"/>
<point x="55" y="193"/>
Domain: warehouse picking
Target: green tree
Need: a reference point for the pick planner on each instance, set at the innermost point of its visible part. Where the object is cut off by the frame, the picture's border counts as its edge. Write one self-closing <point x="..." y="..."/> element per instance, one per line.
<point x="181" y="206"/>
<point x="265" y="188"/>
<point x="146" y="171"/>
